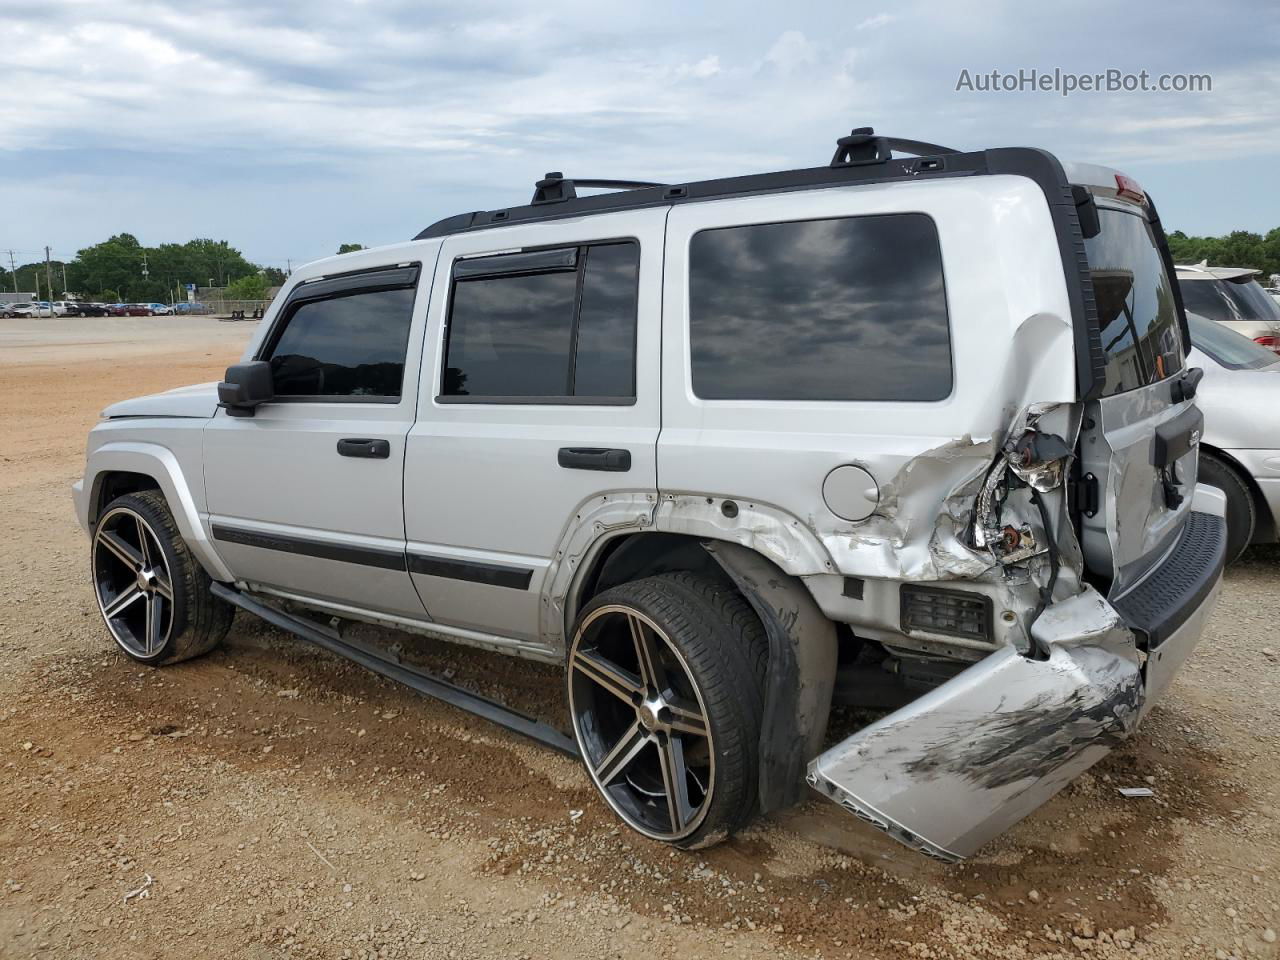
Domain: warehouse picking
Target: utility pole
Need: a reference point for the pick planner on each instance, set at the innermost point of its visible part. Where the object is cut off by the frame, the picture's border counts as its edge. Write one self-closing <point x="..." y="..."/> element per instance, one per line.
<point x="48" y="274"/>
<point x="64" y="279"/>
<point x="145" y="273"/>
<point x="13" y="271"/>
<point x="289" y="272"/>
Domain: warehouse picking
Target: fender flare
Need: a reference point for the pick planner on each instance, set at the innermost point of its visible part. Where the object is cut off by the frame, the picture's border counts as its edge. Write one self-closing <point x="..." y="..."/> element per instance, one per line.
<point x="801" y="673"/>
<point x="159" y="463"/>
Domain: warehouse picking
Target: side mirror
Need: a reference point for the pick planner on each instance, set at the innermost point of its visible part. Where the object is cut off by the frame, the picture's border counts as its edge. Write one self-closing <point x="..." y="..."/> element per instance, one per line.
<point x="246" y="385"/>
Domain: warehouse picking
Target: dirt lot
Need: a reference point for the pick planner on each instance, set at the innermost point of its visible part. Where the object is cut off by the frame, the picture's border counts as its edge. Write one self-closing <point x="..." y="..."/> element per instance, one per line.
<point x="272" y="801"/>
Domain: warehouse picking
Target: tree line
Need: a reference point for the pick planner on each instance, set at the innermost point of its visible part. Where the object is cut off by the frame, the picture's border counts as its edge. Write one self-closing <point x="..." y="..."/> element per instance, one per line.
<point x="121" y="269"/>
<point x="1239" y="248"/>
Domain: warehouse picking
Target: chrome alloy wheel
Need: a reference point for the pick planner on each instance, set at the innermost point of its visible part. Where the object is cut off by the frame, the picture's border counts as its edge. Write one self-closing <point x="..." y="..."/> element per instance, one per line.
<point x="133" y="584"/>
<point x="641" y="723"/>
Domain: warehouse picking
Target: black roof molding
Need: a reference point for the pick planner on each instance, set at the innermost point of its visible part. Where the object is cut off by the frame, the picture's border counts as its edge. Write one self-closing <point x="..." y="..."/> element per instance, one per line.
<point x="860" y="157"/>
<point x="554" y="188"/>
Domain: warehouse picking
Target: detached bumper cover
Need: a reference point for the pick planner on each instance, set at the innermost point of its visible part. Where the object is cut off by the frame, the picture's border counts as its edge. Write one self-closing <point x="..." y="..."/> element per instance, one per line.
<point x="962" y="764"/>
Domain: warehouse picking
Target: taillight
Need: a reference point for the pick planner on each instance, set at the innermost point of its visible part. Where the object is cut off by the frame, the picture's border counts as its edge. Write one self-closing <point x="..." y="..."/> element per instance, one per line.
<point x="1271" y="342"/>
<point x="1128" y="188"/>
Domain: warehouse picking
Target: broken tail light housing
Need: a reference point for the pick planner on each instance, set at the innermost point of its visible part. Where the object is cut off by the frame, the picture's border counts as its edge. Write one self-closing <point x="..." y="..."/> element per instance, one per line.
<point x="951" y="613"/>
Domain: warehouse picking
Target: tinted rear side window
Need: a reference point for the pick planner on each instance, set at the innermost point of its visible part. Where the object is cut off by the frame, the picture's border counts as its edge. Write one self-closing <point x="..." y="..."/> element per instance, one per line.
<point x="545" y="325"/>
<point x="347" y="346"/>
<point x="841" y="309"/>
<point x="1136" y="310"/>
<point x="1229" y="300"/>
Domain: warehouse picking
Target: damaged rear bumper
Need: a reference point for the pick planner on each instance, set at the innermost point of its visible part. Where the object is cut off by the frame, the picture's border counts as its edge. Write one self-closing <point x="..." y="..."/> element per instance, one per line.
<point x="962" y="764"/>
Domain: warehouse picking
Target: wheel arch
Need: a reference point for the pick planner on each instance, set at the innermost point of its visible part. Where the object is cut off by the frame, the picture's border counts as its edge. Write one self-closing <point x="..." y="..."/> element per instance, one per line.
<point x="800" y="676"/>
<point x="128" y="466"/>
<point x="1264" y="529"/>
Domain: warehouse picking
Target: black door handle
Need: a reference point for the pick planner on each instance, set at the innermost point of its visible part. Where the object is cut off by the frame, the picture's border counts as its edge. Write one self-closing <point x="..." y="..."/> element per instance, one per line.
<point x="609" y="459"/>
<point x="372" y="449"/>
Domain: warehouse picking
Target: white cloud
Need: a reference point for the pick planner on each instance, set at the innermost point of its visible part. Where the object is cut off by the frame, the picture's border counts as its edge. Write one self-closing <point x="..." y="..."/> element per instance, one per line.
<point x="791" y="51"/>
<point x="876" y="22"/>
<point x="375" y="110"/>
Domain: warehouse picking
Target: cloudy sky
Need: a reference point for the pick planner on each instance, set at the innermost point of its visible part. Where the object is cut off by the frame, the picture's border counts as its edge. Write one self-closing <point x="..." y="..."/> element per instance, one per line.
<point x="289" y="127"/>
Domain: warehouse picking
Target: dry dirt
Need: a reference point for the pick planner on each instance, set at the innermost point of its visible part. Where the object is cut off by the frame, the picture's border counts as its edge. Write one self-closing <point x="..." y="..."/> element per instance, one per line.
<point x="270" y="800"/>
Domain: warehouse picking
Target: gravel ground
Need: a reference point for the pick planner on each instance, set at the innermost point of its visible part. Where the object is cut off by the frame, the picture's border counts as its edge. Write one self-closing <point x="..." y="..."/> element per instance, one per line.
<point x="272" y="801"/>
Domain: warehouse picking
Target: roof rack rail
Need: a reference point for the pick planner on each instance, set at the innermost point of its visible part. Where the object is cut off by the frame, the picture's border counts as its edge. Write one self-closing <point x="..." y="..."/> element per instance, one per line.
<point x="554" y="188"/>
<point x="863" y="146"/>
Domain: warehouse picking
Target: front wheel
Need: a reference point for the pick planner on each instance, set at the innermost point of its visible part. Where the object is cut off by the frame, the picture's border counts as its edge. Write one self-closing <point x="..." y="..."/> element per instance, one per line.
<point x="152" y="593"/>
<point x="666" y="694"/>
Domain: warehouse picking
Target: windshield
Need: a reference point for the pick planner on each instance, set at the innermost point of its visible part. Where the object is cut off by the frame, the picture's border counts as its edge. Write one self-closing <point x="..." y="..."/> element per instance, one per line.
<point x="1229" y="300"/>
<point x="1226" y="347"/>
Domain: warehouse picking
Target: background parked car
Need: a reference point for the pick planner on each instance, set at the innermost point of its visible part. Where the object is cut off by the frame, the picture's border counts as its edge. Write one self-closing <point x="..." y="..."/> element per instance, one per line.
<point x="1240" y="449"/>
<point x="1232" y="296"/>
<point x="29" y="310"/>
<point x="192" y="309"/>
<point x="160" y="309"/>
<point x="79" y="308"/>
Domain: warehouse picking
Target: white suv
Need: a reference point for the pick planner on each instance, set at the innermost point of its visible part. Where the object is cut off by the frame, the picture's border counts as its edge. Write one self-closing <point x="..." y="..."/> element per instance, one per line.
<point x="727" y="451"/>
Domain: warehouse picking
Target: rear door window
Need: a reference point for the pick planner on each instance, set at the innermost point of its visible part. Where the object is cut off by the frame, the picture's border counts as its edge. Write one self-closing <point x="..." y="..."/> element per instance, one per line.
<point x="852" y="308"/>
<point x="544" y="326"/>
<point x="1137" y="315"/>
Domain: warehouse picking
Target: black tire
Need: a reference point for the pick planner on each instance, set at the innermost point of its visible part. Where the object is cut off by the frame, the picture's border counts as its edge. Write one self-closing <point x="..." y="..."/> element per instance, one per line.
<point x="715" y="653"/>
<point x="192" y="621"/>
<point x="1241" y="512"/>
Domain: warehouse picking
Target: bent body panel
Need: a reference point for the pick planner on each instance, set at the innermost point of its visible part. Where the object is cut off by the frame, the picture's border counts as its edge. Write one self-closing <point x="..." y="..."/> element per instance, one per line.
<point x="962" y="764"/>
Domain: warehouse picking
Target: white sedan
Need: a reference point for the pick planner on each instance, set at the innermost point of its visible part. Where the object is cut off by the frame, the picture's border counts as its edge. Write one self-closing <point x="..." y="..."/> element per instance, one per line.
<point x="1240" y="450"/>
<point x="25" y="309"/>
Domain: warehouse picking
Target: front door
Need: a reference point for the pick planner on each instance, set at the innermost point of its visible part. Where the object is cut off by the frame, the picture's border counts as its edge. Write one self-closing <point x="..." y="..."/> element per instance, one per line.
<point x="305" y="497"/>
<point x="539" y="399"/>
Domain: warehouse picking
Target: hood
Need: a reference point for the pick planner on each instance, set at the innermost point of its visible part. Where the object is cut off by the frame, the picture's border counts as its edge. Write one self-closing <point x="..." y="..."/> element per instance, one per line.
<point x="1241" y="407"/>
<point x="197" y="400"/>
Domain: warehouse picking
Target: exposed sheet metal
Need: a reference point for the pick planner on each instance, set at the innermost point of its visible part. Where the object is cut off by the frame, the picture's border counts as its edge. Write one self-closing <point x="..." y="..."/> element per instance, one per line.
<point x="962" y="764"/>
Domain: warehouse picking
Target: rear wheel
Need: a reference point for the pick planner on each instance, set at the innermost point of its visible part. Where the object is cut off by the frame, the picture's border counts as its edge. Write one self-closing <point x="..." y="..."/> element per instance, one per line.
<point x="666" y="697"/>
<point x="1241" y="514"/>
<point x="151" y="592"/>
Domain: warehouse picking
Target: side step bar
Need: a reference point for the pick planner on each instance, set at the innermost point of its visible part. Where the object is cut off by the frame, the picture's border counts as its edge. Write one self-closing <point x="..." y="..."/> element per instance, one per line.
<point x="424" y="683"/>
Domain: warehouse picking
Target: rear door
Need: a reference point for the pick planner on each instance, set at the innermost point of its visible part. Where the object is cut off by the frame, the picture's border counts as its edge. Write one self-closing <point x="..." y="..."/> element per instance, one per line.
<point x="1138" y="443"/>
<point x="539" y="397"/>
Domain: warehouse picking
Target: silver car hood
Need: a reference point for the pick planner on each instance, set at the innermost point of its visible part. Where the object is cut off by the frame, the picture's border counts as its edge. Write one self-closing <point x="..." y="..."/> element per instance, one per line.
<point x="1241" y="407"/>
<point x="197" y="400"/>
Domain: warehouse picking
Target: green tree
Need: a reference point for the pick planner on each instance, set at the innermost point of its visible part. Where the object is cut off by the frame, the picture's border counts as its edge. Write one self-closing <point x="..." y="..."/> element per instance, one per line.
<point x="351" y="247"/>
<point x="116" y="263"/>
<point x="252" y="287"/>
<point x="275" y="276"/>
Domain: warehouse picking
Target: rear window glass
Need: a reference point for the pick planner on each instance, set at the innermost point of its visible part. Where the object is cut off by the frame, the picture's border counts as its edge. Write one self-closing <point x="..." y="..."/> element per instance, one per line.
<point x="1228" y="300"/>
<point x="1136" y="311"/>
<point x="841" y="309"/>
<point x="1228" y="348"/>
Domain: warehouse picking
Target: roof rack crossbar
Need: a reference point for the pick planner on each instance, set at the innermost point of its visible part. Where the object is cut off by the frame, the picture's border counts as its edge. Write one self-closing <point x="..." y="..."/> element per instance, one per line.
<point x="554" y="188"/>
<point x="863" y="146"/>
